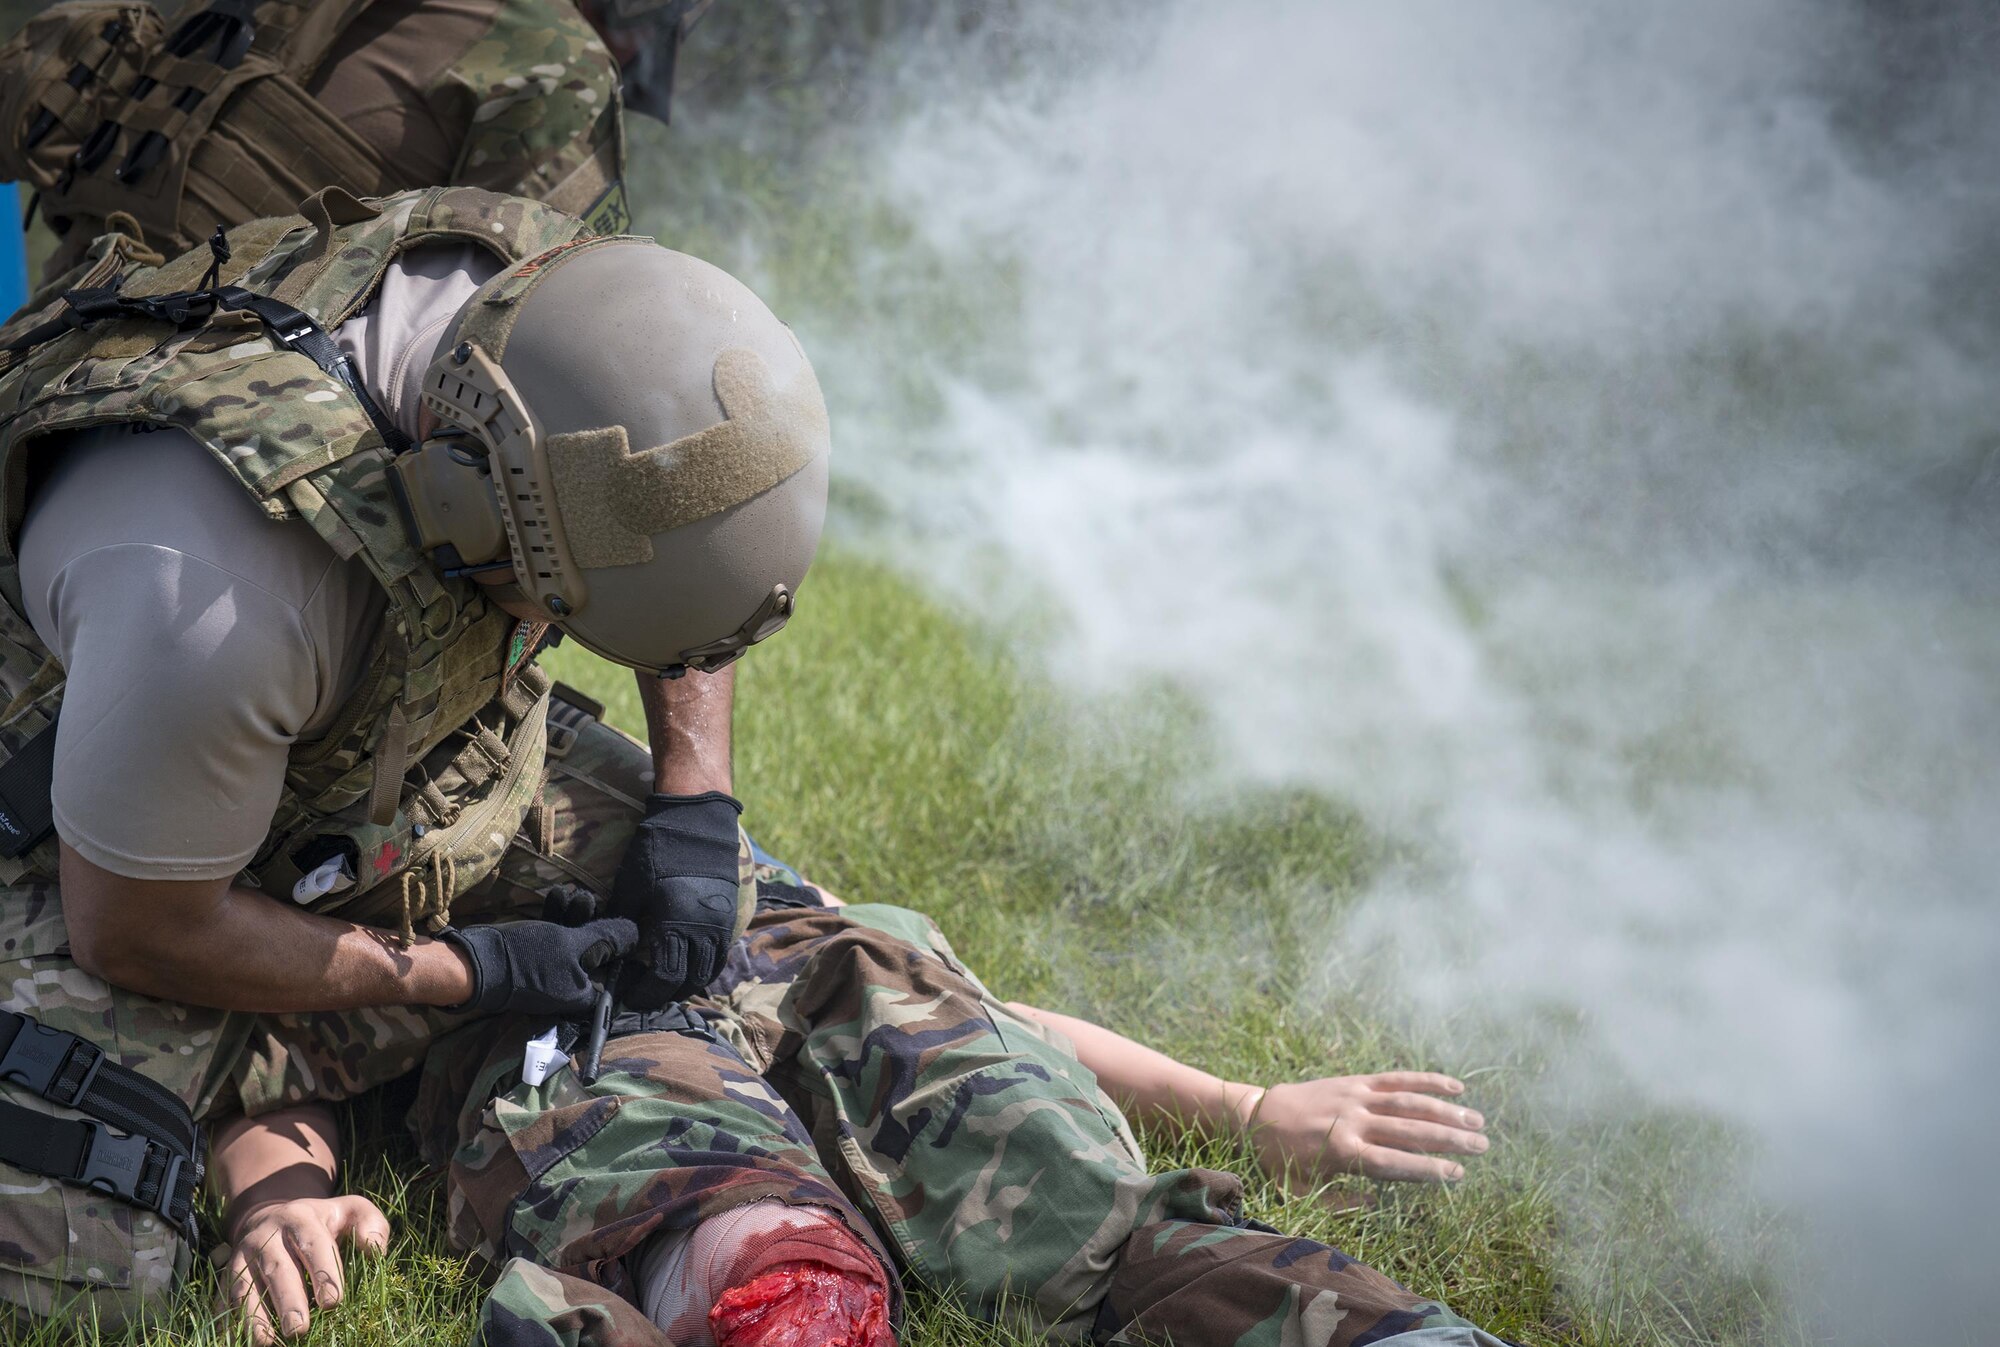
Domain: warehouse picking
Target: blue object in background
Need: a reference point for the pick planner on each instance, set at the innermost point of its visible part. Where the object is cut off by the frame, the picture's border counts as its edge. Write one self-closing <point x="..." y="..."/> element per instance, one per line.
<point x="13" y="251"/>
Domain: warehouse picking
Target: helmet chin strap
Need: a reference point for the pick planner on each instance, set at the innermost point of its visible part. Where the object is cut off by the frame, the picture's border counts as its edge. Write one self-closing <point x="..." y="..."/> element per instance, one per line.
<point x="506" y="593"/>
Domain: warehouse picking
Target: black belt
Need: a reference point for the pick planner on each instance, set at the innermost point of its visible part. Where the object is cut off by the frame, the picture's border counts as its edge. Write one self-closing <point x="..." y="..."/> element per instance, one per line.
<point x="678" y="1018"/>
<point x="774" y="894"/>
<point x="155" y="1160"/>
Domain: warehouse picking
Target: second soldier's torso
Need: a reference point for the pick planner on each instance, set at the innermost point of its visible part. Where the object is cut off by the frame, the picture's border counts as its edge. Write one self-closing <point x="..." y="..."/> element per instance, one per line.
<point x="515" y="96"/>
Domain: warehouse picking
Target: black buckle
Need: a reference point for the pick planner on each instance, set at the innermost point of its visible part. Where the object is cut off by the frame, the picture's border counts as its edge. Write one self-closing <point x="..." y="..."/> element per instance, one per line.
<point x="38" y="1055"/>
<point x="290" y="332"/>
<point x="102" y="301"/>
<point x="286" y="325"/>
<point x="115" y="1164"/>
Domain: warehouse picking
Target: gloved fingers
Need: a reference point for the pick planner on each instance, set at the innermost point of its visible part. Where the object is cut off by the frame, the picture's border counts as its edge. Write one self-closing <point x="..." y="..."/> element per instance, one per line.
<point x="608" y="939"/>
<point x="669" y="963"/>
<point x="703" y="964"/>
<point x="570" y="905"/>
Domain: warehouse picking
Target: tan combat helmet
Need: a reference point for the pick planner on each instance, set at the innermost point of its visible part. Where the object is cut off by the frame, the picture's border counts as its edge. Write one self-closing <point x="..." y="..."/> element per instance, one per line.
<point x="642" y="443"/>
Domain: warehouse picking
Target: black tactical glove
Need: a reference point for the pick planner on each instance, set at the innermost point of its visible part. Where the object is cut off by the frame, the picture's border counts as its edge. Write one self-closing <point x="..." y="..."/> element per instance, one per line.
<point x="572" y="905"/>
<point x="538" y="967"/>
<point x="678" y="884"/>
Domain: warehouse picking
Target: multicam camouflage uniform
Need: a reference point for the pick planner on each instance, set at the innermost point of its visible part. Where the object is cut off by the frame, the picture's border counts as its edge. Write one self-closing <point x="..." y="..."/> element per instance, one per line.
<point x="101" y="115"/>
<point x="847" y="1059"/>
<point x="449" y="778"/>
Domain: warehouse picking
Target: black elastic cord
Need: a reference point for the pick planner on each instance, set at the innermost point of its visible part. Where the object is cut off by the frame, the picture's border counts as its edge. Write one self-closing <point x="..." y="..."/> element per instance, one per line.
<point x="218" y="253"/>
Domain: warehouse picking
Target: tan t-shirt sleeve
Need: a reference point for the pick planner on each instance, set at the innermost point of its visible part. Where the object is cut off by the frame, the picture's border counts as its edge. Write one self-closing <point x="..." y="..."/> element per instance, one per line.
<point x="201" y="640"/>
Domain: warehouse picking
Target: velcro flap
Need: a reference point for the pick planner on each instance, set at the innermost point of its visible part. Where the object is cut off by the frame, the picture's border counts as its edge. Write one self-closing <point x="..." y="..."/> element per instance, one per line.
<point x="614" y="500"/>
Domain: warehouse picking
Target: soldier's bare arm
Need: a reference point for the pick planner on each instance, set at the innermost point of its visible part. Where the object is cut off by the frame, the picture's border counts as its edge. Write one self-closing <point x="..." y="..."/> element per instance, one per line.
<point x="1392" y="1125"/>
<point x="208" y="943"/>
<point x="688" y="723"/>
<point x="283" y="1224"/>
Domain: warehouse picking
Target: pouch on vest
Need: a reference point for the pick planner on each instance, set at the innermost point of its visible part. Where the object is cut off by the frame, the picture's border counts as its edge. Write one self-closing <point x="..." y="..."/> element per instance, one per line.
<point x="461" y="806"/>
<point x="58" y="74"/>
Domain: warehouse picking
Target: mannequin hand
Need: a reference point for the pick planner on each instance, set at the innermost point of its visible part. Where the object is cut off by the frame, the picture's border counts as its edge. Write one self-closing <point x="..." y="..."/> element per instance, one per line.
<point x="1392" y="1125"/>
<point x="284" y="1258"/>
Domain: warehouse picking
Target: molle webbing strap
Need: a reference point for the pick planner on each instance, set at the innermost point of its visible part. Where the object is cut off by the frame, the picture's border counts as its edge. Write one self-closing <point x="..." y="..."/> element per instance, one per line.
<point x="294" y="34"/>
<point x="392" y="760"/>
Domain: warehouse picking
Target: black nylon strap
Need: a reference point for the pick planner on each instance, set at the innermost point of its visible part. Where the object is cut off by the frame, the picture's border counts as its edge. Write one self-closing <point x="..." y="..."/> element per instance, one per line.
<point x="70" y="1070"/>
<point x="42" y="1143"/>
<point x="136" y="1169"/>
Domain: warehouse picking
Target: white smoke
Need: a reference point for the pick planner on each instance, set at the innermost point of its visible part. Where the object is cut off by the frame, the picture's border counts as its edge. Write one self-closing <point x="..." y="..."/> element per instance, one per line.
<point x="1556" y="430"/>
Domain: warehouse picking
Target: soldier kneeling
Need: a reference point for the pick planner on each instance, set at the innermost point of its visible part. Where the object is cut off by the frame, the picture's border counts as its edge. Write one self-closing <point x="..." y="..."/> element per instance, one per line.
<point x="283" y="525"/>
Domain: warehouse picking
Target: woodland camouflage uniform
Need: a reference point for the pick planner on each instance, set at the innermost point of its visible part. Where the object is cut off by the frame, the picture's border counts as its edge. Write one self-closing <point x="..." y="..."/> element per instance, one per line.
<point x="847" y="1059"/>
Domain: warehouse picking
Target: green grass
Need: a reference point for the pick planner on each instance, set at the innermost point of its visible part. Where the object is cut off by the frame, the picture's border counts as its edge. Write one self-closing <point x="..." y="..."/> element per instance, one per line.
<point x="896" y="755"/>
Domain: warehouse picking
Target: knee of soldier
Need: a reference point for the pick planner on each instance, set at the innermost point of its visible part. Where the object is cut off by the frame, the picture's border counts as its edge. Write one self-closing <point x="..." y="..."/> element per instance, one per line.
<point x="67" y="1252"/>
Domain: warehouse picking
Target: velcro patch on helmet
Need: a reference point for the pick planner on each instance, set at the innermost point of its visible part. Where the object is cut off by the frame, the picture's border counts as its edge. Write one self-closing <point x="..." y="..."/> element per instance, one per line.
<point x="613" y="500"/>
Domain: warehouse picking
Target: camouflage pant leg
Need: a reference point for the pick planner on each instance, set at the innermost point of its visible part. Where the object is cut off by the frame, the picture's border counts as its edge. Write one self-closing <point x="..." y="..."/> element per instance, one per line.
<point x="1192" y="1282"/>
<point x="999" y="1170"/>
<point x="530" y="1306"/>
<point x="65" y="1249"/>
<point x="574" y="1178"/>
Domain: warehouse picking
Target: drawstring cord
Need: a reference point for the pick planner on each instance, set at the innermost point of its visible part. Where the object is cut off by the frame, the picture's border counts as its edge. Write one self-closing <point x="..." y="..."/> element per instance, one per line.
<point x="429" y="902"/>
<point x="445" y="867"/>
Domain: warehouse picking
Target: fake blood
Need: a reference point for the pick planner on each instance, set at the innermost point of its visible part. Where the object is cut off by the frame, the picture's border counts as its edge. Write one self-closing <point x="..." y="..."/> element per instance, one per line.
<point x="803" y="1305"/>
